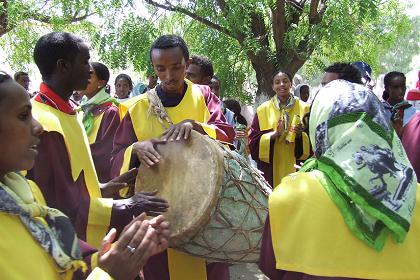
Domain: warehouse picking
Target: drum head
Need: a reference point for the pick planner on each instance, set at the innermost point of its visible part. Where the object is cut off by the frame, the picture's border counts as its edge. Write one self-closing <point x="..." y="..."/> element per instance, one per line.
<point x="189" y="176"/>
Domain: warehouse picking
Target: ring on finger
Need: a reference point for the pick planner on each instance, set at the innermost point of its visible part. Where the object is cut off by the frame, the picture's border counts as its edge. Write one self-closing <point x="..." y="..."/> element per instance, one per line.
<point x="131" y="249"/>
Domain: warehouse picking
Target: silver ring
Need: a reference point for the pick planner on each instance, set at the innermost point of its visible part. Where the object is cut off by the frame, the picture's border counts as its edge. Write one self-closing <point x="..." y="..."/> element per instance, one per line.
<point x="131" y="249"/>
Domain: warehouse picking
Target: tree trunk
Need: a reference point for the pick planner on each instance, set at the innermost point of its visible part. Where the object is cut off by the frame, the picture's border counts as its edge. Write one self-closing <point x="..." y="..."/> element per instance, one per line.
<point x="264" y="71"/>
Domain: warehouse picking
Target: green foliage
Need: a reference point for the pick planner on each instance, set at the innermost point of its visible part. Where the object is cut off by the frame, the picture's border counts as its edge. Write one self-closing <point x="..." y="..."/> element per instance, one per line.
<point x="371" y="40"/>
<point x="402" y="51"/>
<point x="27" y="20"/>
<point x="229" y="59"/>
<point x="350" y="30"/>
<point x="127" y="45"/>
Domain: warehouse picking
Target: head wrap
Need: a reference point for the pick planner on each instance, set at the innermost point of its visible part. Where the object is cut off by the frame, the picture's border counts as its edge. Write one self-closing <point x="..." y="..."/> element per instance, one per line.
<point x="367" y="173"/>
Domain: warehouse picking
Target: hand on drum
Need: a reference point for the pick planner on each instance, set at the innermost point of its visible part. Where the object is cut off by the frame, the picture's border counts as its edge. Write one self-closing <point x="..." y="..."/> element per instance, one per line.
<point x="146" y="152"/>
<point x="111" y="188"/>
<point x="181" y="130"/>
<point x="144" y="202"/>
<point x="136" y="243"/>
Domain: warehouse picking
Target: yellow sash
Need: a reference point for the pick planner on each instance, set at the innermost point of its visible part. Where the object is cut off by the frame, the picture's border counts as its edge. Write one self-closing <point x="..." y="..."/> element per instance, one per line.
<point x="309" y="235"/>
<point x="284" y="154"/>
<point x="192" y="106"/>
<point x="80" y="159"/>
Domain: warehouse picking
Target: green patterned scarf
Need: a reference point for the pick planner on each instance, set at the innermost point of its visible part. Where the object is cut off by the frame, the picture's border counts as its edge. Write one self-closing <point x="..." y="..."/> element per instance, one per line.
<point x="57" y="237"/>
<point x="366" y="171"/>
<point x="88" y="105"/>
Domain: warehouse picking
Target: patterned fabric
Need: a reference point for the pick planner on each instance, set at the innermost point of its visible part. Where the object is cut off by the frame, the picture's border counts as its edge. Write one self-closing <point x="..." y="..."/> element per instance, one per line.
<point x="285" y="109"/>
<point x="88" y="105"/>
<point x="56" y="236"/>
<point x="369" y="176"/>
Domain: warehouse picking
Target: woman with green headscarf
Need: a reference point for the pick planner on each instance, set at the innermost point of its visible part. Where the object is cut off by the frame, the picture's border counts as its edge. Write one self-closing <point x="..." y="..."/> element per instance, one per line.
<point x="350" y="211"/>
<point x="101" y="117"/>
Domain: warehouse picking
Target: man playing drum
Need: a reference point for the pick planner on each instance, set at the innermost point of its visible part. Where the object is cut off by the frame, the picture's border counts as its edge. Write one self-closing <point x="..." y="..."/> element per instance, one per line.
<point x="190" y="107"/>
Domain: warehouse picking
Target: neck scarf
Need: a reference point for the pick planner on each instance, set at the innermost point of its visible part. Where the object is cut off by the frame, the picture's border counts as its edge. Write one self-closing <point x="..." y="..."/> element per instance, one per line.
<point x="56" y="236"/>
<point x="285" y="109"/>
<point x="87" y="107"/>
<point x="366" y="170"/>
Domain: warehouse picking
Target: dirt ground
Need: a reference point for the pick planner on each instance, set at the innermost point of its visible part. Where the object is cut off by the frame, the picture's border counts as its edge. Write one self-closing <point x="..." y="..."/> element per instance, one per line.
<point x="246" y="272"/>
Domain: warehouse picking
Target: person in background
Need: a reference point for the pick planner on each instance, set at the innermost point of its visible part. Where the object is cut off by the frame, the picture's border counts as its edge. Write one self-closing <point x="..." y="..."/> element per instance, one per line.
<point x="100" y="116"/>
<point x="401" y="111"/>
<point x="22" y="78"/>
<point x="215" y="86"/>
<point x="141" y="88"/>
<point x="413" y="97"/>
<point x="302" y="92"/>
<point x="200" y="71"/>
<point x="366" y="72"/>
<point x="269" y="142"/>
<point x="241" y="127"/>
<point x="39" y="241"/>
<point x="75" y="98"/>
<point x="341" y="70"/>
<point x="123" y="87"/>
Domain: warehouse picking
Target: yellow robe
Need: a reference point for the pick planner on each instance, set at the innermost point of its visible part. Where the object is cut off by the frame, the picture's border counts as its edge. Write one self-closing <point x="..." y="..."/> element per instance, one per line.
<point x="193" y="106"/>
<point x="284" y="154"/>
<point x="77" y="145"/>
<point x="309" y="235"/>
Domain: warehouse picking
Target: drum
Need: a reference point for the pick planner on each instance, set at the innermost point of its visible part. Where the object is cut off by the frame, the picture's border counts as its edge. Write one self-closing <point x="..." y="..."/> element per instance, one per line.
<point x="218" y="203"/>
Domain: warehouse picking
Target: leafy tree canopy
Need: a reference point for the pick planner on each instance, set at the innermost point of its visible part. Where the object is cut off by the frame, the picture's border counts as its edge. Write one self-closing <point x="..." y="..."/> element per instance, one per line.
<point x="247" y="40"/>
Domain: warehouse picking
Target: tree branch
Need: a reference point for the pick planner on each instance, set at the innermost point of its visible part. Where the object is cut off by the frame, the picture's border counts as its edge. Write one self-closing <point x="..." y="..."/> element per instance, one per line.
<point x="297" y="5"/>
<point x="259" y="29"/>
<point x="47" y="19"/>
<point x="170" y="7"/>
<point x="45" y="4"/>
<point x="316" y="11"/>
<point x="223" y="7"/>
<point x="4" y="19"/>
<point x="278" y="23"/>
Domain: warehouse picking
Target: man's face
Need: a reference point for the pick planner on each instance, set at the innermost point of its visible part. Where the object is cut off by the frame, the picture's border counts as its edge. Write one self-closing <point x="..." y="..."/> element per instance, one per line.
<point x="170" y="66"/>
<point x="329" y="77"/>
<point x="152" y="81"/>
<point x="80" y="69"/>
<point x="215" y="87"/>
<point x="195" y="75"/>
<point x="24" y="81"/>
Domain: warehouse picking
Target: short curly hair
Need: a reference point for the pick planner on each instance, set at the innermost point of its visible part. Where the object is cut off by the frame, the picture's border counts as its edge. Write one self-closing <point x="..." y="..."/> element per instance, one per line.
<point x="169" y="42"/>
<point x="345" y="71"/>
<point x="54" y="46"/>
<point x="204" y="63"/>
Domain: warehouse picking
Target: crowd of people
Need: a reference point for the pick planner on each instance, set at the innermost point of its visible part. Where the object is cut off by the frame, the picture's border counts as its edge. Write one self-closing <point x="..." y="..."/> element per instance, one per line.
<point x="71" y="152"/>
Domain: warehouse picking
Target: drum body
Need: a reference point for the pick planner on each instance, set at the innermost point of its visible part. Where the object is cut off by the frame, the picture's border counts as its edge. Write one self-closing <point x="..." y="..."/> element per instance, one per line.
<point x="218" y="202"/>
